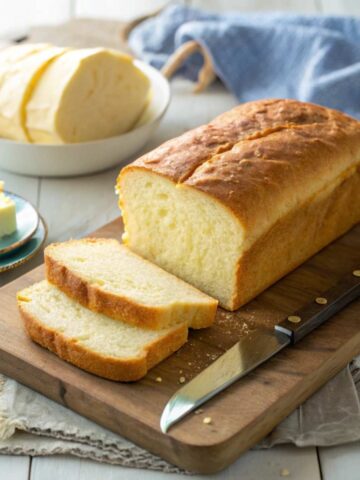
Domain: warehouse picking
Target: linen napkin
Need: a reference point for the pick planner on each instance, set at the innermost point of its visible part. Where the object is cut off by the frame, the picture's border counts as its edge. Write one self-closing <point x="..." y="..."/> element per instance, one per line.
<point x="31" y="424"/>
<point x="311" y="58"/>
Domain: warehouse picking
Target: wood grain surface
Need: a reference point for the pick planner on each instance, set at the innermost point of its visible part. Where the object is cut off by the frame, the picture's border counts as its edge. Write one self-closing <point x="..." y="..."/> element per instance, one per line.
<point x="241" y="415"/>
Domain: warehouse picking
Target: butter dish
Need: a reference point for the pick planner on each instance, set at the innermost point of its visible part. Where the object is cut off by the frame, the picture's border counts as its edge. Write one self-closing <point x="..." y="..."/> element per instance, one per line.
<point x="27" y="221"/>
<point x="7" y="213"/>
<point x="25" y="251"/>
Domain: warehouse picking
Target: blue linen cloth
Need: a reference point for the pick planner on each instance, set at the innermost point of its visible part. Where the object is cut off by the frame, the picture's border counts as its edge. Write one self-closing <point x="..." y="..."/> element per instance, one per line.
<point x="310" y="58"/>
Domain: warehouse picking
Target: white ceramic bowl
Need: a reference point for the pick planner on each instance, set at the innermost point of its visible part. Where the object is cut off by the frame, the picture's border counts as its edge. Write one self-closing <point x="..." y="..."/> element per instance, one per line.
<point x="89" y="157"/>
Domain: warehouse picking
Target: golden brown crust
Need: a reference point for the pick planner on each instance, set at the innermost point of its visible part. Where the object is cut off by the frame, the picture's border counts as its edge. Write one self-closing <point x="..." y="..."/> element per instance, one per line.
<point x="272" y="164"/>
<point x="178" y="158"/>
<point x="114" y="306"/>
<point x="296" y="237"/>
<point x="122" y="370"/>
<point x="259" y="156"/>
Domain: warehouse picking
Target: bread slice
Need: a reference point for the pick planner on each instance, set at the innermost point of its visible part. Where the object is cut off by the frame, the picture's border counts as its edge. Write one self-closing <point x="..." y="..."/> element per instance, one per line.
<point x="92" y="341"/>
<point x="107" y="277"/>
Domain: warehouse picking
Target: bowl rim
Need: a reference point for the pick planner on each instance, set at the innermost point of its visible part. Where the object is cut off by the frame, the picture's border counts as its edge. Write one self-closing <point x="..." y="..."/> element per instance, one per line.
<point x="32" y="254"/>
<point x="144" y="67"/>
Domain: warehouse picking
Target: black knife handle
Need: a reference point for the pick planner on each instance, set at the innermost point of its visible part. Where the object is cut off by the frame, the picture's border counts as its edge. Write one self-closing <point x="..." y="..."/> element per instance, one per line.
<point x="322" y="308"/>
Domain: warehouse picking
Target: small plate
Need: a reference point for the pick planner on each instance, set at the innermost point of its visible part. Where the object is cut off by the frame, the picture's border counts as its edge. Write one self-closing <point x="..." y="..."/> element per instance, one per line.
<point x="25" y="252"/>
<point x="27" y="221"/>
<point x="89" y="157"/>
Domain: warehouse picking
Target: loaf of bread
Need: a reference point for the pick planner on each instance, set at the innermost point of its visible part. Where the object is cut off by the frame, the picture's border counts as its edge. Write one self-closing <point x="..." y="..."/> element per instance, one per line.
<point x="234" y="205"/>
<point x="107" y="277"/>
<point x="92" y="341"/>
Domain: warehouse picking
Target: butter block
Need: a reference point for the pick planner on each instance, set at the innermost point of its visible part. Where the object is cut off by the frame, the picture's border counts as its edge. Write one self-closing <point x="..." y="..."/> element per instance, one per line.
<point x="86" y="95"/>
<point x="7" y="213"/>
<point x="20" y="68"/>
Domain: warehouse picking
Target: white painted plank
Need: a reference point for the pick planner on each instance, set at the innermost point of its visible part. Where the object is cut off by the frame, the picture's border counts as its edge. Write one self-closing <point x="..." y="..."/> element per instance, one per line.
<point x="73" y="207"/>
<point x="341" y="7"/>
<point x="19" y="15"/>
<point x="26" y="187"/>
<point x="340" y="463"/>
<point x="279" y="462"/>
<point x="114" y="9"/>
<point x="305" y="6"/>
<point x="274" y="464"/>
<point x="14" y="467"/>
<point x="188" y="110"/>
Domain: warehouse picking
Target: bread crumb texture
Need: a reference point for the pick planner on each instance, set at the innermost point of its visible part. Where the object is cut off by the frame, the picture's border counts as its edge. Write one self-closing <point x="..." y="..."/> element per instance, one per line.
<point x="93" y="341"/>
<point x="107" y="277"/>
<point x="225" y="205"/>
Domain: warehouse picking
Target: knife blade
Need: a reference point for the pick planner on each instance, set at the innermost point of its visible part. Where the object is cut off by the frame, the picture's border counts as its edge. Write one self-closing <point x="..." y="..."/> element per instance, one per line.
<point x="258" y="347"/>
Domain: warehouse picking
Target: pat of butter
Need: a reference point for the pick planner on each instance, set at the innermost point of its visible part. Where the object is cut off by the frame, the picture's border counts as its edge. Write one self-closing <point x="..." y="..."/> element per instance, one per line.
<point x="7" y="214"/>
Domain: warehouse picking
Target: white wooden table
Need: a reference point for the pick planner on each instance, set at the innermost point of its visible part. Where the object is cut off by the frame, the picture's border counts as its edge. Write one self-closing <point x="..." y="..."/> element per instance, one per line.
<point x="76" y="206"/>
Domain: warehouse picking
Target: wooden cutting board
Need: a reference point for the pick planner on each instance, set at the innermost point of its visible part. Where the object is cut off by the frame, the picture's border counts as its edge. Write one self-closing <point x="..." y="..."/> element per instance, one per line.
<point x="244" y="413"/>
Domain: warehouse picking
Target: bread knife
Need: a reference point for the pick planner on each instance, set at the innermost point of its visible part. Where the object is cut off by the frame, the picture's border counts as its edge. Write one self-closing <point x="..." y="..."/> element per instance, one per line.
<point x="259" y="346"/>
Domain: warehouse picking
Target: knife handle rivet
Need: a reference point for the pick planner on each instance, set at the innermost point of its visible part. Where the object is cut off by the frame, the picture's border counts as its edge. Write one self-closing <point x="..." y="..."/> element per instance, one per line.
<point x="321" y="300"/>
<point x="294" y="319"/>
<point x="356" y="273"/>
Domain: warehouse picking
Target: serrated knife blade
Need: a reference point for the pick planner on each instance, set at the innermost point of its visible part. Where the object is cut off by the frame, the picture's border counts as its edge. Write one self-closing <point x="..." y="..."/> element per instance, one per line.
<point x="256" y="348"/>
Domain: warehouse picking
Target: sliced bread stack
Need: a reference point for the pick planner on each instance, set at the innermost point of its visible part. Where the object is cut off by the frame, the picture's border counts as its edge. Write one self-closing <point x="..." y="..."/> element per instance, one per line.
<point x="109" y="311"/>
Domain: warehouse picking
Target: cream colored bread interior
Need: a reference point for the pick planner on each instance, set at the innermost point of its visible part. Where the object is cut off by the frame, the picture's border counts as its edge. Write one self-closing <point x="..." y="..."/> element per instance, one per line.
<point x="21" y="66"/>
<point x="184" y="231"/>
<point x="93" y="331"/>
<point x="86" y="95"/>
<point x="114" y="269"/>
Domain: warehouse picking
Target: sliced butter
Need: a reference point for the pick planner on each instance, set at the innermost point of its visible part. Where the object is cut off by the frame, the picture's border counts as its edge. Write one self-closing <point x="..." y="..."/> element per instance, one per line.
<point x="20" y="68"/>
<point x="7" y="213"/>
<point x="86" y="95"/>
